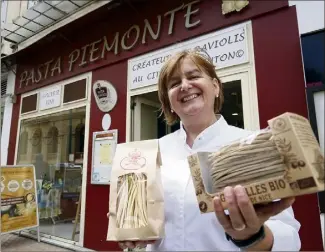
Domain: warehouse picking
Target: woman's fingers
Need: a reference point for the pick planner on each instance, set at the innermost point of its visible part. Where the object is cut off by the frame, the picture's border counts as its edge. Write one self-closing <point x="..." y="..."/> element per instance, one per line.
<point x="136" y="244"/>
<point x="122" y="245"/>
<point x="130" y="244"/>
<point x="274" y="208"/>
<point x="237" y="220"/>
<point x="107" y="215"/>
<point x="141" y="244"/>
<point x="221" y="216"/>
<point x="246" y="208"/>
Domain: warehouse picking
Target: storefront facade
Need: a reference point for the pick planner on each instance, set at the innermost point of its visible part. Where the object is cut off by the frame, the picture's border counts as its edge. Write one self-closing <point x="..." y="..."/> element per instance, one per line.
<point x="258" y="58"/>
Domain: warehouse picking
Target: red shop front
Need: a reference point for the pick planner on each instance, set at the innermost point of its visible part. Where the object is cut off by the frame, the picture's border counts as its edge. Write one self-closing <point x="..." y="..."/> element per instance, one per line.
<point x="258" y="58"/>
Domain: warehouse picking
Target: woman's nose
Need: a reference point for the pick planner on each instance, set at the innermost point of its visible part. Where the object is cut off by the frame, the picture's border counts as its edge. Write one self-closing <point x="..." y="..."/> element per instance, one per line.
<point x="185" y="85"/>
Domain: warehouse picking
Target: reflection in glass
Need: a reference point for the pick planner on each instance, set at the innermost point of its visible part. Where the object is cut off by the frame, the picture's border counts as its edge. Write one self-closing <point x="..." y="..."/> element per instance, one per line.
<point x="232" y="109"/>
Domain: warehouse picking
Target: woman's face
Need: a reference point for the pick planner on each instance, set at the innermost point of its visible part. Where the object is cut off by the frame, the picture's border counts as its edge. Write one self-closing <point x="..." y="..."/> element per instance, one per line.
<point x="191" y="92"/>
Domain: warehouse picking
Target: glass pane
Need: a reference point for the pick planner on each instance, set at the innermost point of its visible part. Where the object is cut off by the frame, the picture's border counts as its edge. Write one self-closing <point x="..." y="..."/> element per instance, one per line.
<point x="232" y="109"/>
<point x="74" y="91"/>
<point x="29" y="103"/>
<point x="148" y="114"/>
<point x="55" y="144"/>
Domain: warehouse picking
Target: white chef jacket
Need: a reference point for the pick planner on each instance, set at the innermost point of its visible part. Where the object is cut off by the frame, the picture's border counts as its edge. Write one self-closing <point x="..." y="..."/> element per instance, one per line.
<point x="185" y="227"/>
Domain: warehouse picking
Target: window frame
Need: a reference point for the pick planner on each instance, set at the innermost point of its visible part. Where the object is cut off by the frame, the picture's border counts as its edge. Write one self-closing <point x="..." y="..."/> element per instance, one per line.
<point x="85" y="102"/>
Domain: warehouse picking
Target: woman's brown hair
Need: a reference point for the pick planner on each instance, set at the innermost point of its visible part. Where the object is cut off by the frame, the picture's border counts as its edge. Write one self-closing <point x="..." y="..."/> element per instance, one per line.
<point x="203" y="63"/>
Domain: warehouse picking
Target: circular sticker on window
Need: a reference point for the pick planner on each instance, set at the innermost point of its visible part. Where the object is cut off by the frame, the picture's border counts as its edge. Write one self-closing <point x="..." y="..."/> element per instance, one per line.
<point x="13" y="185"/>
<point x="105" y="95"/>
<point x="27" y="184"/>
<point x="29" y="197"/>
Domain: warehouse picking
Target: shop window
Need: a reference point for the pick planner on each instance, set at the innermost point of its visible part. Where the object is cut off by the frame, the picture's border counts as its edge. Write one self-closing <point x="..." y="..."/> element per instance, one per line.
<point x="29" y="103"/>
<point x="52" y="140"/>
<point x="74" y="91"/>
<point x="37" y="141"/>
<point x="58" y="176"/>
<point x="24" y="143"/>
<point x="79" y="138"/>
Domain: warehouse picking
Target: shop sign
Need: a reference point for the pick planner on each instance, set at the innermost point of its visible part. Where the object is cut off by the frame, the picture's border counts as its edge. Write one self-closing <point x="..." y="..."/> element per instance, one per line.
<point x="119" y="42"/>
<point x="105" y="95"/>
<point x="226" y="47"/>
<point x="19" y="209"/>
<point x="50" y="98"/>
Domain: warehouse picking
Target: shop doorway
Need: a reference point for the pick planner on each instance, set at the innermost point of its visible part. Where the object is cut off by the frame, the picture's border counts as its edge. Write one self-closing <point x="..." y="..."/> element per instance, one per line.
<point x="146" y="118"/>
<point x="238" y="110"/>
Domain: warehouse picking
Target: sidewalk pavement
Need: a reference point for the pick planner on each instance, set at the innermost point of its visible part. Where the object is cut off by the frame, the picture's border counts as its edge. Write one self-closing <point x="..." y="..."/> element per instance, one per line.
<point x="13" y="242"/>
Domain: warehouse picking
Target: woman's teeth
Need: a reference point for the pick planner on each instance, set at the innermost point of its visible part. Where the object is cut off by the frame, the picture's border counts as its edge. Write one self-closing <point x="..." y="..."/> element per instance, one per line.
<point x="188" y="98"/>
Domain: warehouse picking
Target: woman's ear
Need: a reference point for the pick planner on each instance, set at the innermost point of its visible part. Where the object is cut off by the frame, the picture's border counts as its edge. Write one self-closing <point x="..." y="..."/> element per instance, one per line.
<point x="216" y="87"/>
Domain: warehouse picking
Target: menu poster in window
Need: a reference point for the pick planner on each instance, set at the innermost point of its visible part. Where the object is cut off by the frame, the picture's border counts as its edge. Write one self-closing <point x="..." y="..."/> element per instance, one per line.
<point x="104" y="146"/>
<point x="19" y="209"/>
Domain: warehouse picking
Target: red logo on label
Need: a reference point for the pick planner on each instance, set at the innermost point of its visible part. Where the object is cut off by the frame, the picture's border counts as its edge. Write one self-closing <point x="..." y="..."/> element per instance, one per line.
<point x="134" y="161"/>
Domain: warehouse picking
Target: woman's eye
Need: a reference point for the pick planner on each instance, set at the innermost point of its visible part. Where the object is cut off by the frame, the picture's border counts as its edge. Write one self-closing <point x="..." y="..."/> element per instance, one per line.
<point x="194" y="77"/>
<point x="174" y="84"/>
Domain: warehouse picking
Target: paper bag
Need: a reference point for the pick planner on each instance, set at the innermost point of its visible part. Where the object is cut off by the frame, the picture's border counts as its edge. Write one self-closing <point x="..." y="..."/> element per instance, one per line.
<point x="136" y="203"/>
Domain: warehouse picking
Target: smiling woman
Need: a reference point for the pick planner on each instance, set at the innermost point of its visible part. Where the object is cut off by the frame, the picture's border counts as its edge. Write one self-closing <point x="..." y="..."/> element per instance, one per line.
<point x="178" y="75"/>
<point x="190" y="92"/>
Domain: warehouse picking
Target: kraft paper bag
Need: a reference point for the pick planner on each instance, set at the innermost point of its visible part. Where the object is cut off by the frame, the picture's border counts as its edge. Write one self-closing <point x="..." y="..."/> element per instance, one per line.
<point x="136" y="203"/>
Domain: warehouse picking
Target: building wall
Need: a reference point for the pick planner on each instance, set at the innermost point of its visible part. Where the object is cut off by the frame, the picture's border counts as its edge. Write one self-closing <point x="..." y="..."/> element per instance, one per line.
<point x="7" y="117"/>
<point x="278" y="72"/>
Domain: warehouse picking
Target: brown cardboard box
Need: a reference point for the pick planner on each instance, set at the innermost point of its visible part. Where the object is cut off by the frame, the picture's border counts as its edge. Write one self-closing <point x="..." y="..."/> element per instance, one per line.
<point x="303" y="158"/>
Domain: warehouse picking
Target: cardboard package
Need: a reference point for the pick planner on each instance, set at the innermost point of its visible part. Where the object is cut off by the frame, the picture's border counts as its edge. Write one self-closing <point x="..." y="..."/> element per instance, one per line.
<point x="303" y="166"/>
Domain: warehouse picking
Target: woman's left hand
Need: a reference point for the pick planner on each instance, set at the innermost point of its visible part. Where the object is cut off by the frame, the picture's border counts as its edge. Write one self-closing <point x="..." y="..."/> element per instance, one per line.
<point x="244" y="220"/>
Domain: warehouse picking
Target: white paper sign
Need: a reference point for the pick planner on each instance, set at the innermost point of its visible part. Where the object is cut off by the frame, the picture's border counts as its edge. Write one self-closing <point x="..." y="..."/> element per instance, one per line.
<point x="104" y="146"/>
<point x="227" y="47"/>
<point x="50" y="98"/>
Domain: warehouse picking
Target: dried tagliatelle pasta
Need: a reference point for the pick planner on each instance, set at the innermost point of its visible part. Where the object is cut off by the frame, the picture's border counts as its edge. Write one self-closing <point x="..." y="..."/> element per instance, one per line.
<point x="246" y="161"/>
<point x="131" y="209"/>
<point x="136" y="204"/>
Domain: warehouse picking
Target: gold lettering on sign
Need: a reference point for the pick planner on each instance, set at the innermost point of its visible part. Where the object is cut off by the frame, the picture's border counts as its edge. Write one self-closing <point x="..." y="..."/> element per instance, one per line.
<point x="57" y="66"/>
<point x="135" y="34"/>
<point x="47" y="66"/>
<point x="84" y="49"/>
<point x="127" y="34"/>
<point x="73" y="58"/>
<point x="93" y="49"/>
<point x="172" y="18"/>
<point x="39" y="72"/>
<point x="147" y="26"/>
<point x="23" y="77"/>
<point x="233" y="5"/>
<point x="188" y="14"/>
<point x="108" y="48"/>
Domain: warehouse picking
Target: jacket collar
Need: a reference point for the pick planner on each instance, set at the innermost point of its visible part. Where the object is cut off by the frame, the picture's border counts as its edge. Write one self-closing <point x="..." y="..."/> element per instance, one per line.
<point x="209" y="133"/>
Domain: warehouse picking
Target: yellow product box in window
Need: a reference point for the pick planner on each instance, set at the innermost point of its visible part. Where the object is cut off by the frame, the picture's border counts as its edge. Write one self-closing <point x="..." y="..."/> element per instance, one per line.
<point x="18" y="198"/>
<point x="280" y="161"/>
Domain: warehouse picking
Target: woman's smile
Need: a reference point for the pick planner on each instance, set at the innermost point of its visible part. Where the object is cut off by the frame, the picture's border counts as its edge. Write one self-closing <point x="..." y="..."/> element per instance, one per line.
<point x="190" y="97"/>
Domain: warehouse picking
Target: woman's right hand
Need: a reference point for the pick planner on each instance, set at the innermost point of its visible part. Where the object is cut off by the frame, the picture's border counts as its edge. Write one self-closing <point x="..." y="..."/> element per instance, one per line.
<point x="133" y="244"/>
